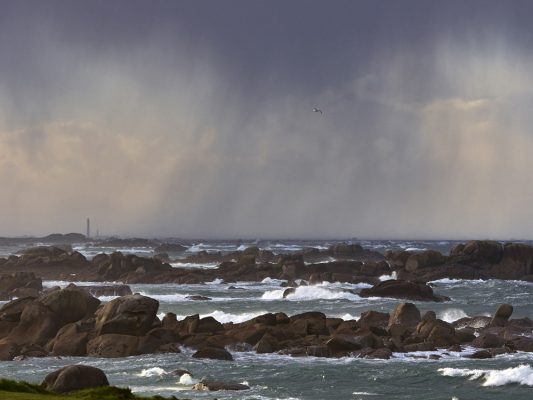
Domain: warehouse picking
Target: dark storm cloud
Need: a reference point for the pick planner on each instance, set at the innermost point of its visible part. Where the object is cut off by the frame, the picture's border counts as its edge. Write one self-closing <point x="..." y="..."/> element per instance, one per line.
<point x="194" y="117"/>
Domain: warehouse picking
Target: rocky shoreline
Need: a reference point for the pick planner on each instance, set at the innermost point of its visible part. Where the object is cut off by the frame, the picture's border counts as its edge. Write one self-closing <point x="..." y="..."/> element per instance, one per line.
<point x="40" y="322"/>
<point x="72" y="322"/>
<point x="340" y="263"/>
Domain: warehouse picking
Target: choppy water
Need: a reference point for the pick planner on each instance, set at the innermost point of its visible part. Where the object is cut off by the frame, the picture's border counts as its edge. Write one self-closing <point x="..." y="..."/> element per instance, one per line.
<point x="283" y="377"/>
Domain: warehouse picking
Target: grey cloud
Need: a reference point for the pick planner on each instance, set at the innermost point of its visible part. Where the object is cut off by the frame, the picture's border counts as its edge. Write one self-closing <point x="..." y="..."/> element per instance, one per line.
<point x="194" y="118"/>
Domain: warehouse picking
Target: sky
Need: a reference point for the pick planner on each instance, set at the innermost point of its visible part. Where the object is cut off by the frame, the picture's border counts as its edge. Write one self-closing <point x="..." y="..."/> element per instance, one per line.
<point x="194" y="118"/>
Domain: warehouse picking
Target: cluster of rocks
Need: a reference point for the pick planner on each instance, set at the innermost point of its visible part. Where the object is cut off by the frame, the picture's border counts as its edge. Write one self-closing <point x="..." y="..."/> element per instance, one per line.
<point x="26" y="284"/>
<point x="71" y="322"/>
<point x="59" y="263"/>
<point x="19" y="284"/>
<point x="349" y="263"/>
<point x="474" y="260"/>
<point x="339" y="251"/>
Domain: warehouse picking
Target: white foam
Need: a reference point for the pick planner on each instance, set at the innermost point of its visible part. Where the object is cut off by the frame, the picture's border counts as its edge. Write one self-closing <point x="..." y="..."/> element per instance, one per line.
<point x="187" y="379"/>
<point x="195" y="248"/>
<point x="178" y="264"/>
<point x="449" y="281"/>
<point x="272" y="281"/>
<point x="224" y="317"/>
<point x="217" y="281"/>
<point x="107" y="299"/>
<point x="452" y="314"/>
<point x="166" y="298"/>
<point x="310" y="293"/>
<point x="394" y="275"/>
<point x="412" y="248"/>
<point x="155" y="371"/>
<point x="349" y="317"/>
<point x="341" y="285"/>
<point x="177" y="297"/>
<point x="522" y="374"/>
<point x="364" y="394"/>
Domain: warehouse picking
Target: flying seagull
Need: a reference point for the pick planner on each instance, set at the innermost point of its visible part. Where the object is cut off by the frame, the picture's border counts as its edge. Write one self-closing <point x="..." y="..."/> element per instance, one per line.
<point x="318" y="110"/>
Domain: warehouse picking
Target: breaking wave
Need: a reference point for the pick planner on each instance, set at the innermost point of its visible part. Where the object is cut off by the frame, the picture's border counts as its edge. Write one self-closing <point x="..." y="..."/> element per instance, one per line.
<point x="522" y="375"/>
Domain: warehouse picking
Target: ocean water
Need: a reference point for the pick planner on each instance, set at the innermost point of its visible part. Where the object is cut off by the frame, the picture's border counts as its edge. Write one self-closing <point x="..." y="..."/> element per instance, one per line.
<point x="270" y="376"/>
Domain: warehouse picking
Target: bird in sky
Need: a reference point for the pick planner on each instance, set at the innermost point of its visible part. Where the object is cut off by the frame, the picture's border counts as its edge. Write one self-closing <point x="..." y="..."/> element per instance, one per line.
<point x="318" y="110"/>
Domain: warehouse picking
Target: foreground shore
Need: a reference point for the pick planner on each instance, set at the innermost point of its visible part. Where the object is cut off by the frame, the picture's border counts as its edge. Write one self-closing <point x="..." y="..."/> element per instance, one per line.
<point x="14" y="390"/>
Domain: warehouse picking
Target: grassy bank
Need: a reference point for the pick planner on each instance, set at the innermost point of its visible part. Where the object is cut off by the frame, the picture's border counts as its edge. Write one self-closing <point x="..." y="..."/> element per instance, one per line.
<point x="12" y="390"/>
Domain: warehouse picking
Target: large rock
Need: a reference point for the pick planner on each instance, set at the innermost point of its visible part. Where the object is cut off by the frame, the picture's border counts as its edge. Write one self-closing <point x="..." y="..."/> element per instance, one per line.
<point x="516" y="262"/>
<point x="113" y="345"/>
<point x="208" y="325"/>
<point x="345" y="249"/>
<point x="435" y="331"/>
<point x="38" y="324"/>
<point x="71" y="340"/>
<point x="17" y="280"/>
<point x="403" y="319"/>
<point x="13" y="310"/>
<point x="488" y="340"/>
<point x="74" y="377"/>
<point x="397" y="259"/>
<point x="127" y="315"/>
<point x="484" y="250"/>
<point x="71" y="304"/>
<point x="424" y="259"/>
<point x="44" y="252"/>
<point x="374" y="319"/>
<point x="342" y="343"/>
<point x="503" y="313"/>
<point x="401" y="289"/>
<point x="213" y="353"/>
<point x="309" y="323"/>
<point x="8" y="349"/>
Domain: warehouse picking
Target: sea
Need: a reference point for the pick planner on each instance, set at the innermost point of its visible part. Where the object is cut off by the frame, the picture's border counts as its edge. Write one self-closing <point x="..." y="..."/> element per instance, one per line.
<point x="272" y="376"/>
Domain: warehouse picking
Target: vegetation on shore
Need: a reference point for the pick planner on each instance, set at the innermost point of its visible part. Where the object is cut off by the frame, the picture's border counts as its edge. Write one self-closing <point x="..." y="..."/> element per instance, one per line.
<point x="14" y="390"/>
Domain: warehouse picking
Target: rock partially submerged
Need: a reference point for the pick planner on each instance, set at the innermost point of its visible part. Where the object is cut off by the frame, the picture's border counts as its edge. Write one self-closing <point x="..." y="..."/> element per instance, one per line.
<point x="214" y="386"/>
<point x="400" y="289"/>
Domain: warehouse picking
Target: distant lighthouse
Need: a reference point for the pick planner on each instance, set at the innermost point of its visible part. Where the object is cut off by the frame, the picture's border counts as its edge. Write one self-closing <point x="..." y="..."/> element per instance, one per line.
<point x="88" y="228"/>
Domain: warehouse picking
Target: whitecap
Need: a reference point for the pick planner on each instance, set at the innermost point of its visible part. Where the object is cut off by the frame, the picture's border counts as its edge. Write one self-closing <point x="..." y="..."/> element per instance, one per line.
<point x="187" y="379"/>
<point x="195" y="248"/>
<point x="449" y="281"/>
<point x="310" y="293"/>
<point x="107" y="299"/>
<point x="394" y="275"/>
<point x="166" y="298"/>
<point x="272" y="281"/>
<point x="522" y="375"/>
<point x="216" y="281"/>
<point x="178" y="264"/>
<point x="224" y="317"/>
<point x="349" y="317"/>
<point x="452" y="314"/>
<point x="155" y="371"/>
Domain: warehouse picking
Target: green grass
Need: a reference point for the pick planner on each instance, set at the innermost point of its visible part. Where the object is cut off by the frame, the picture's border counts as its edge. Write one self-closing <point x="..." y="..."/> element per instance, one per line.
<point x="13" y="390"/>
